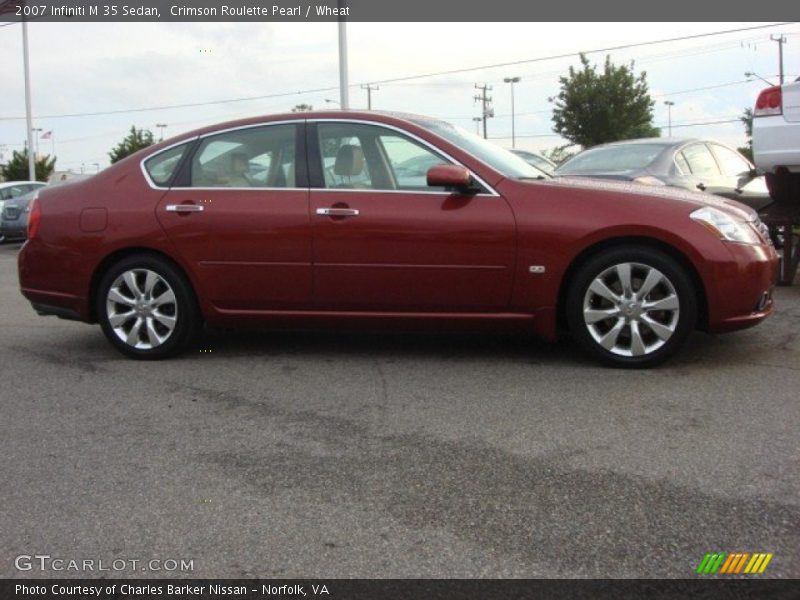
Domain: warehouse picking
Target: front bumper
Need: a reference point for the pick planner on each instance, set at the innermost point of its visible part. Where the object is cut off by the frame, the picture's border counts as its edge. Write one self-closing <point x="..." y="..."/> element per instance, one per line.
<point x="740" y="289"/>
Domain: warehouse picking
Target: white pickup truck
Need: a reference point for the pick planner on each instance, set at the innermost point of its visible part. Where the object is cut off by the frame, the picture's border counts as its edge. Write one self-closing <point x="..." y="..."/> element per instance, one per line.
<point x="776" y="140"/>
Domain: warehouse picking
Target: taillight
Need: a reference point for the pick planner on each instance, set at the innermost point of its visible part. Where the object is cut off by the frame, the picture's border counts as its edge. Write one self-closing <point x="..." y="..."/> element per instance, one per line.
<point x="769" y="102"/>
<point x="34" y="218"/>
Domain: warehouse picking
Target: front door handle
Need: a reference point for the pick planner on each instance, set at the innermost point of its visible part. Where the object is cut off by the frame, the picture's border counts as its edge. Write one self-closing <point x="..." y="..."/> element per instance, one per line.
<point x="337" y="212"/>
<point x="184" y="208"/>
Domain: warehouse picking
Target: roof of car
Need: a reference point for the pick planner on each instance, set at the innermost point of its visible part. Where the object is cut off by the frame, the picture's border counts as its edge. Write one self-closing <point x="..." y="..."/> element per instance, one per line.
<point x="663" y="141"/>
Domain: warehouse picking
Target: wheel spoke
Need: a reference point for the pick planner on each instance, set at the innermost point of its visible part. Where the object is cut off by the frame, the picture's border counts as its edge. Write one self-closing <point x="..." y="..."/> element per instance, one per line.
<point x="150" y="282"/>
<point x="624" y="274"/>
<point x="668" y="303"/>
<point x="166" y="320"/>
<point x="118" y="319"/>
<point x="152" y="334"/>
<point x="601" y="289"/>
<point x="133" y="334"/>
<point x="637" y="343"/>
<point x="167" y="297"/>
<point x="661" y="330"/>
<point x="609" y="340"/>
<point x="133" y="286"/>
<point x="593" y="315"/>
<point x="114" y="295"/>
<point x="652" y="280"/>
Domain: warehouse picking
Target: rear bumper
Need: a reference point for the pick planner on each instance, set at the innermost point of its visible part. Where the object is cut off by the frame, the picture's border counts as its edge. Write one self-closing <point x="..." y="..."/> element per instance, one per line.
<point x="776" y="143"/>
<point x="740" y="289"/>
<point x="48" y="279"/>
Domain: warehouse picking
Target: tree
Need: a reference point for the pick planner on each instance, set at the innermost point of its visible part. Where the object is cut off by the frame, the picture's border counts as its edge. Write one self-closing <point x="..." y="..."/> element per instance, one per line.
<point x="302" y="108"/>
<point x="747" y="121"/>
<point x="133" y="142"/>
<point x="17" y="168"/>
<point x="595" y="108"/>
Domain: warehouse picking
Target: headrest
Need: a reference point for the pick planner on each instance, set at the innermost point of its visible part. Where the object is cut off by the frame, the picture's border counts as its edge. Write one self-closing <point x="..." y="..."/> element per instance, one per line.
<point x="349" y="161"/>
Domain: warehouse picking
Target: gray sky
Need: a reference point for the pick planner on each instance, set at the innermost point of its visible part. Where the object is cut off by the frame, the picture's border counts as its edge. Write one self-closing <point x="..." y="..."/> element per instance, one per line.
<point x="81" y="67"/>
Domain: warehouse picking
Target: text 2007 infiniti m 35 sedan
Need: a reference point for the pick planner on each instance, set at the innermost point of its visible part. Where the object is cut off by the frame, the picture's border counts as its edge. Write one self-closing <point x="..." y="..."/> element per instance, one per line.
<point x="304" y="221"/>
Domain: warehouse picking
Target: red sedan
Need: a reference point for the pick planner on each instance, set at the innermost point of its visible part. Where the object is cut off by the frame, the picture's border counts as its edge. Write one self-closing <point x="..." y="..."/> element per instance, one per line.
<point x="343" y="218"/>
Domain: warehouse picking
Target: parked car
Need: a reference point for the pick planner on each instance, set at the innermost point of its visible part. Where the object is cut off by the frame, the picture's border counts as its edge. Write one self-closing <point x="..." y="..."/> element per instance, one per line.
<point x="776" y="139"/>
<point x="14" y="217"/>
<point x="691" y="164"/>
<point x="179" y="234"/>
<point x="15" y="189"/>
<point x="14" y="213"/>
<point x="536" y="160"/>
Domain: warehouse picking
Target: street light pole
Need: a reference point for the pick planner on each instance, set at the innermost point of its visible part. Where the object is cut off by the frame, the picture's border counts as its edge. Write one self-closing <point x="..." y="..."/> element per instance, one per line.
<point x="161" y="126"/>
<point x="28" y="112"/>
<point x="477" y="124"/>
<point x="669" y="104"/>
<point x="344" y="96"/>
<point x="512" y="81"/>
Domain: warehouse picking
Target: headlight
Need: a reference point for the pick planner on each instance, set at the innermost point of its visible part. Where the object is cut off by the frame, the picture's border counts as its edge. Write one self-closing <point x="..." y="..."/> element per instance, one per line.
<point x="724" y="226"/>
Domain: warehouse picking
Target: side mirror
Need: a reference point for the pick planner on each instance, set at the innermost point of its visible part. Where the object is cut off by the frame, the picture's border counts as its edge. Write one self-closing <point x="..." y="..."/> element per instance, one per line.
<point x="450" y="176"/>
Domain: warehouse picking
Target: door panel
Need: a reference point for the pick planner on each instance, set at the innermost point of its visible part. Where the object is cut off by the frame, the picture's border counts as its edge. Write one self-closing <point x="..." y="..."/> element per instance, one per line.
<point x="412" y="252"/>
<point x="241" y="222"/>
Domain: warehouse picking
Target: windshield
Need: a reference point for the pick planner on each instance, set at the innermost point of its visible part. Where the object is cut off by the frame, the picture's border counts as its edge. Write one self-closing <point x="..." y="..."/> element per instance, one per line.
<point x="498" y="158"/>
<point x="622" y="157"/>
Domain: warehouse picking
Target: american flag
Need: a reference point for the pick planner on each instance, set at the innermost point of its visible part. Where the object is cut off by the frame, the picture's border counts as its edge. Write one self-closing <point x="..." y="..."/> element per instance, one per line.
<point x="47" y="135"/>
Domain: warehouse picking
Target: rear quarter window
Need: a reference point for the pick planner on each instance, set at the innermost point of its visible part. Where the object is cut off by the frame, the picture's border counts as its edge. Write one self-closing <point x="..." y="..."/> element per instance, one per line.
<point x="162" y="166"/>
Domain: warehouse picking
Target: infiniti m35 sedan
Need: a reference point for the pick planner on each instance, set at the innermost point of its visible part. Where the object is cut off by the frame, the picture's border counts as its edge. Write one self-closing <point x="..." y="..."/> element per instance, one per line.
<point x="319" y="220"/>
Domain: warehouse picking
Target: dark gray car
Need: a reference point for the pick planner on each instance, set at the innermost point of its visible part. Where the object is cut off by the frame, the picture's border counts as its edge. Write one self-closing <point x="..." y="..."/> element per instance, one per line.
<point x="692" y="164"/>
<point x="14" y="218"/>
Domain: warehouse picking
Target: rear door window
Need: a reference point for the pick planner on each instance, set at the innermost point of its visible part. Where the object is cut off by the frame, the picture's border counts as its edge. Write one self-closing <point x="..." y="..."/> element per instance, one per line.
<point x="700" y="160"/>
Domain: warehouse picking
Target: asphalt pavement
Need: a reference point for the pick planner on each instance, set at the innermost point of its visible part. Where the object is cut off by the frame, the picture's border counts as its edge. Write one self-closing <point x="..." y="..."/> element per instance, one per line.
<point x="325" y="455"/>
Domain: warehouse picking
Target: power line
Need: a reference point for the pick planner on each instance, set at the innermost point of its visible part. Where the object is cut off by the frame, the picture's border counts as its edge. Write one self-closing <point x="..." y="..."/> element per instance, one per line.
<point x="408" y="77"/>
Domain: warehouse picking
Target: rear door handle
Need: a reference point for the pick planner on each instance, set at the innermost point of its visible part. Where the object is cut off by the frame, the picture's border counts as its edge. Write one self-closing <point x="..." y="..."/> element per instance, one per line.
<point x="185" y="208"/>
<point x="337" y="212"/>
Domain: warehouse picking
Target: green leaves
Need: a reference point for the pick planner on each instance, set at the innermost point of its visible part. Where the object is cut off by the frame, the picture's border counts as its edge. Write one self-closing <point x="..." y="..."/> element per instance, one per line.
<point x="17" y="168"/>
<point x="133" y="142"/>
<point x="599" y="107"/>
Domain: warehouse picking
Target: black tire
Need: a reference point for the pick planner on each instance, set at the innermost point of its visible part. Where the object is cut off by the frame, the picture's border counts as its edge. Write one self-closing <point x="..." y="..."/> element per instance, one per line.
<point x="187" y="319"/>
<point x="681" y="320"/>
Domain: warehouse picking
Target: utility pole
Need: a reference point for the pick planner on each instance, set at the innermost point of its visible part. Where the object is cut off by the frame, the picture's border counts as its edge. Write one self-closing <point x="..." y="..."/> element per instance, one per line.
<point x="370" y="88"/>
<point x="486" y="104"/>
<point x="781" y="40"/>
<point x="28" y="112"/>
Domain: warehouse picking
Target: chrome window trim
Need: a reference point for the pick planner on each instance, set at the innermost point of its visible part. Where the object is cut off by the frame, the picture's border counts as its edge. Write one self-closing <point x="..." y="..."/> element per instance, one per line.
<point x="492" y="192"/>
<point x="415" y="137"/>
<point x="152" y="184"/>
<point x="147" y="178"/>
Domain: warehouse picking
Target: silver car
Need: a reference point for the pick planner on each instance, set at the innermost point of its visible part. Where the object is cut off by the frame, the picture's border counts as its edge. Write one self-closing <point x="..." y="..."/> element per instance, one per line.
<point x="692" y="164"/>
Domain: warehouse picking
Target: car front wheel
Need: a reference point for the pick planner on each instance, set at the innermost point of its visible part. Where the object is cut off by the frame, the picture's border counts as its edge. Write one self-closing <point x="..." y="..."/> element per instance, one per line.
<point x="146" y="308"/>
<point x="631" y="307"/>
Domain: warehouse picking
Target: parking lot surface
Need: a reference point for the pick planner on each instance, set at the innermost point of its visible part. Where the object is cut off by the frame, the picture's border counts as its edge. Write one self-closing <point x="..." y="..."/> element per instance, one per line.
<point x="386" y="455"/>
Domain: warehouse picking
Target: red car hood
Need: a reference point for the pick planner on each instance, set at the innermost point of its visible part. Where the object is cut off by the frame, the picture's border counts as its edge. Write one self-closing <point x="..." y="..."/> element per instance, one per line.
<point x="696" y="199"/>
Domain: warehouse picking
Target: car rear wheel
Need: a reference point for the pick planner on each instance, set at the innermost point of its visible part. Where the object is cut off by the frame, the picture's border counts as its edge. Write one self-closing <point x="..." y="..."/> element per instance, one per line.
<point x="631" y="307"/>
<point x="146" y="308"/>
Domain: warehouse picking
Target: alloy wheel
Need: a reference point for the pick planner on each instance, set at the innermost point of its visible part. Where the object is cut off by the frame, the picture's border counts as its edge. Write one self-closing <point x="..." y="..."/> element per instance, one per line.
<point x="631" y="309"/>
<point x="142" y="309"/>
